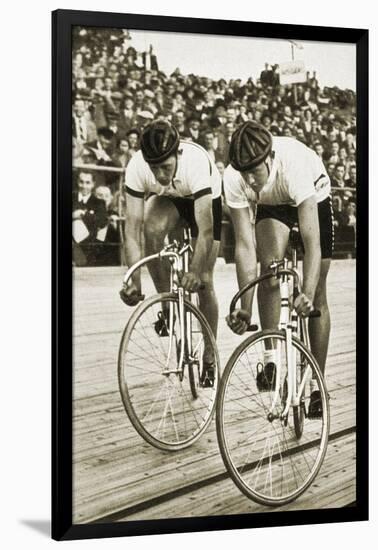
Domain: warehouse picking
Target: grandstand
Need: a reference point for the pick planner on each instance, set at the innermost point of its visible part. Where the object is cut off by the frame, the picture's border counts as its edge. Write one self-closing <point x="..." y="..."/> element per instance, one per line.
<point x="117" y="90"/>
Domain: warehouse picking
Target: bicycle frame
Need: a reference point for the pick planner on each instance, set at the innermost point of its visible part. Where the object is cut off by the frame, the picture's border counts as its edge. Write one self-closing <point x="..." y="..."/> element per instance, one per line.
<point x="289" y="324"/>
<point x="179" y="262"/>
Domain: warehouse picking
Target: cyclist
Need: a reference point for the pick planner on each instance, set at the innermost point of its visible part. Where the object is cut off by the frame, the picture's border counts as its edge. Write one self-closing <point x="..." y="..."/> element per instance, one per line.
<point x="289" y="184"/>
<point x="180" y="182"/>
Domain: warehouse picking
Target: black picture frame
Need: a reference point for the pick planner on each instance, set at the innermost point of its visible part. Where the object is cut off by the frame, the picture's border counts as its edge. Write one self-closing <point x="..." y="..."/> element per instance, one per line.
<point x="62" y="23"/>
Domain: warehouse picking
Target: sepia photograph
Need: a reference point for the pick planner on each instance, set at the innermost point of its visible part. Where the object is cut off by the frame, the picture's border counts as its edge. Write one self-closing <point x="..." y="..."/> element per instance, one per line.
<point x="214" y="230"/>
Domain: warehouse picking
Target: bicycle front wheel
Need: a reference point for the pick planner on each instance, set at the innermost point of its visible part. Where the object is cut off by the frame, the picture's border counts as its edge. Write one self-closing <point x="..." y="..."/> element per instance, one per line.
<point x="160" y="366"/>
<point x="270" y="457"/>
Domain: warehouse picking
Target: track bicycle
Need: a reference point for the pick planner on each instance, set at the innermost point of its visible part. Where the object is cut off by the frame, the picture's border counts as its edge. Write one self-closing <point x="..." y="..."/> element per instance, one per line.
<point x="270" y="447"/>
<point x="162" y="380"/>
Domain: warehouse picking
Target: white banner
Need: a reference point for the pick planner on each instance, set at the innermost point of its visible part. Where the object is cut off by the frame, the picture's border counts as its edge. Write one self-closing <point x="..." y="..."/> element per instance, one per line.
<point x="292" y="72"/>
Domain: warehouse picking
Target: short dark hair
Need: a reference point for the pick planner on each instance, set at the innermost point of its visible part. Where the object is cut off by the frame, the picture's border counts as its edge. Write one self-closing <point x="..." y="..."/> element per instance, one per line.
<point x="89" y="172"/>
<point x="133" y="131"/>
<point x="120" y="139"/>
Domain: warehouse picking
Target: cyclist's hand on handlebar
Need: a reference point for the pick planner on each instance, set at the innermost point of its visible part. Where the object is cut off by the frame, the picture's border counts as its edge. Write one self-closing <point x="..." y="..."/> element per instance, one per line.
<point x="239" y="321"/>
<point x="303" y="305"/>
<point x="131" y="295"/>
<point x="191" y="282"/>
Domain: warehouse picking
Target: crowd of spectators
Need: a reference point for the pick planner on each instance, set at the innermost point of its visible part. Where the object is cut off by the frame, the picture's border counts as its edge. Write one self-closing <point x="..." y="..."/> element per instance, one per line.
<point x="118" y="90"/>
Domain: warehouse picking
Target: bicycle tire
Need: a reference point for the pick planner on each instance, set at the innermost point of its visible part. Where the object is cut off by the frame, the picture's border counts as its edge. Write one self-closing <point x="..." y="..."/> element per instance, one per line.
<point x="235" y="418"/>
<point x="192" y="379"/>
<point x="168" y="433"/>
<point x="299" y="411"/>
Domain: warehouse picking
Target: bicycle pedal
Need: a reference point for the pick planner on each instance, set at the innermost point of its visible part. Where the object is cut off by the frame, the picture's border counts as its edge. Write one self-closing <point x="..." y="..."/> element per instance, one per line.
<point x="266" y="377"/>
<point x="207" y="376"/>
<point x="315" y="407"/>
<point x="160" y="325"/>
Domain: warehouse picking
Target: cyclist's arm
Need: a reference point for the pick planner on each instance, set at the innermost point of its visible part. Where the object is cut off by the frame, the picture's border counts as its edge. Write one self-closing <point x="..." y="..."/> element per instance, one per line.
<point x="203" y="213"/>
<point x="309" y="227"/>
<point x="133" y="234"/>
<point x="245" y="252"/>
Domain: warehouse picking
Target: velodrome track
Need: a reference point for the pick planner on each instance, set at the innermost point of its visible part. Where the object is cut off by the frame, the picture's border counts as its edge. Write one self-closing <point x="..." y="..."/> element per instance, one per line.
<point x="119" y="477"/>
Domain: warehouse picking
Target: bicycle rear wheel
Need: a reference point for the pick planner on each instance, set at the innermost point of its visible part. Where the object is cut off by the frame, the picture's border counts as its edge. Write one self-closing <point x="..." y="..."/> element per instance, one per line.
<point x="262" y="452"/>
<point x="163" y="396"/>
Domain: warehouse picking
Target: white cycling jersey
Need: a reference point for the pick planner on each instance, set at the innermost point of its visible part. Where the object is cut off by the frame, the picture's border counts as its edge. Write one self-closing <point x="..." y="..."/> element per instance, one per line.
<point x="196" y="175"/>
<point x="297" y="174"/>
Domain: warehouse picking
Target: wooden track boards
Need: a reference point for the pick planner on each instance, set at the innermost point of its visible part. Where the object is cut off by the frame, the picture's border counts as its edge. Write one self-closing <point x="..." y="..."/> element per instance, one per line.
<point x="117" y="476"/>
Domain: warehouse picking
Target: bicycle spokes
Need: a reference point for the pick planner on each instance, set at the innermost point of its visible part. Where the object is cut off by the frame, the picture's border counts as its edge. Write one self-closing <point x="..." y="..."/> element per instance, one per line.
<point x="159" y="374"/>
<point x="270" y="448"/>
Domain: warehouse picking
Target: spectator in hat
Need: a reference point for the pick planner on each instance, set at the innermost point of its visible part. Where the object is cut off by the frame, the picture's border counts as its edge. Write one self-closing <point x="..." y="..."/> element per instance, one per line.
<point x="143" y="118"/>
<point x="220" y="116"/>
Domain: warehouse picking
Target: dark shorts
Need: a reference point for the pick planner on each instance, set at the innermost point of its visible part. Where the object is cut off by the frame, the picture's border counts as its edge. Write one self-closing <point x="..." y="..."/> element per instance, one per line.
<point x="185" y="208"/>
<point x="288" y="215"/>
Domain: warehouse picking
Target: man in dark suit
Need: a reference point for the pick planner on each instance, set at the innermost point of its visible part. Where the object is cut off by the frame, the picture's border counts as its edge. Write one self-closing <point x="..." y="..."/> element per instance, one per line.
<point x="89" y="216"/>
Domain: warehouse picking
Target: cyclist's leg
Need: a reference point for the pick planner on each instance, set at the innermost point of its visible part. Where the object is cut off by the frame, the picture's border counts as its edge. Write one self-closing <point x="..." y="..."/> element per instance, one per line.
<point x="208" y="302"/>
<point x="272" y="238"/>
<point x="161" y="216"/>
<point x="207" y="298"/>
<point x="319" y="327"/>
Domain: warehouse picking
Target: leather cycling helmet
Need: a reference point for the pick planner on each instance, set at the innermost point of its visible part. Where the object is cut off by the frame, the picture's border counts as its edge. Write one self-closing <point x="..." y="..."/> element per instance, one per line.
<point x="159" y="141"/>
<point x="250" y="145"/>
